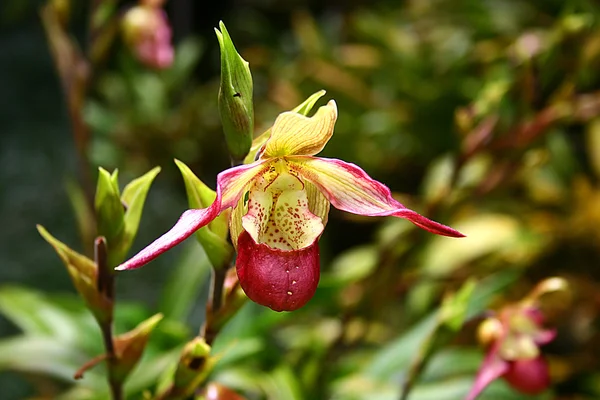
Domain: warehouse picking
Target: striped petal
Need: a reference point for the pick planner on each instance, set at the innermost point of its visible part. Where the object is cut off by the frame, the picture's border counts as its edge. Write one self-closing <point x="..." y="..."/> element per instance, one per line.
<point x="295" y="134"/>
<point x="230" y="186"/>
<point x="350" y="189"/>
<point x="278" y="279"/>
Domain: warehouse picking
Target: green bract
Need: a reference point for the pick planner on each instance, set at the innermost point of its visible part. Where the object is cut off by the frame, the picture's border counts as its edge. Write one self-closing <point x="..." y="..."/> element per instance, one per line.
<point x="130" y="346"/>
<point x="84" y="274"/>
<point x="118" y="216"/>
<point x="213" y="237"/>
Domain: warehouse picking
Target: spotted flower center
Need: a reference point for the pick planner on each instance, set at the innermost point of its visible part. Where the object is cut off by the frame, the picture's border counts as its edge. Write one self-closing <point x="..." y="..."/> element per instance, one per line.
<point x="278" y="213"/>
<point x="520" y="340"/>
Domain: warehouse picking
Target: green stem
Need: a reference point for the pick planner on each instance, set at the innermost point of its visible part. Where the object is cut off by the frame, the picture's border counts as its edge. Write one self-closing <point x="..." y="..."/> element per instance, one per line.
<point x="215" y="303"/>
<point x="106" y="286"/>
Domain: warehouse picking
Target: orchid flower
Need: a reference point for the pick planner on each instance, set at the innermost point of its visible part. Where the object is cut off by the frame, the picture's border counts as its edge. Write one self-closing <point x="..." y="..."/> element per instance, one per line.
<point x="514" y="337"/>
<point x="280" y="205"/>
<point x="148" y="33"/>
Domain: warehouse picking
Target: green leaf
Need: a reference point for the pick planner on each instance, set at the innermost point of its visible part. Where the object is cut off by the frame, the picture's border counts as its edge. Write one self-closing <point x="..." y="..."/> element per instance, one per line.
<point x="212" y="237"/>
<point x="109" y="210"/>
<point x="351" y="266"/>
<point x="199" y="195"/>
<point x="453" y="310"/>
<point x="130" y="346"/>
<point x="149" y="371"/>
<point x="235" y="97"/>
<point x="41" y="315"/>
<point x="83" y="274"/>
<point x="451" y="317"/>
<point x="282" y="383"/>
<point x="397" y="355"/>
<point x="487" y="235"/>
<point x="489" y="287"/>
<point x="46" y="356"/>
<point x="306" y="106"/>
<point x="134" y="197"/>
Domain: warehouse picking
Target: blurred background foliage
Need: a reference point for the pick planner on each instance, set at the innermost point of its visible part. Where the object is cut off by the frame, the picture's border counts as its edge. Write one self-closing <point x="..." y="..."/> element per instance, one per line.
<point x="484" y="115"/>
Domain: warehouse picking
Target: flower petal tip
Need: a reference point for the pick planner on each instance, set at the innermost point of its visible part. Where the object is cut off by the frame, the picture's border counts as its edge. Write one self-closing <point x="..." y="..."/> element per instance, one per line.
<point x="333" y="105"/>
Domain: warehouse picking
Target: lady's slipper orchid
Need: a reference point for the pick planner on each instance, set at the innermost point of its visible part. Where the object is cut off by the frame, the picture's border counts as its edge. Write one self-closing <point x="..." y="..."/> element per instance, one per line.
<point x="514" y="337"/>
<point x="148" y="33"/>
<point x="280" y="205"/>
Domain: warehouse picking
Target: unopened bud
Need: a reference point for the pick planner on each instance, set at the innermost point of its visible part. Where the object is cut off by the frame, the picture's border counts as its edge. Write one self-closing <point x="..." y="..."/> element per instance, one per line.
<point x="235" y="97"/>
<point x="110" y="214"/>
<point x="194" y="366"/>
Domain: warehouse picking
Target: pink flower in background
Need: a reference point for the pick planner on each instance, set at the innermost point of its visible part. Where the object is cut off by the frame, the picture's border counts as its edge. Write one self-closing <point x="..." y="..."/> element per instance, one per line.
<point x="514" y="338"/>
<point x="280" y="206"/>
<point x="148" y="34"/>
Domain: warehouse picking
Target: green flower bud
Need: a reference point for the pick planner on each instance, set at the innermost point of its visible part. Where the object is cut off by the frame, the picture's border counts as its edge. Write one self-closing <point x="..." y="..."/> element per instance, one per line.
<point x="109" y="210"/>
<point x="235" y="98"/>
<point x="193" y="368"/>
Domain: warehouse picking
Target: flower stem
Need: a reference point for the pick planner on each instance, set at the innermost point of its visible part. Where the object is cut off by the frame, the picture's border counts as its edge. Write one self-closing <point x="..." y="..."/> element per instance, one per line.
<point x="106" y="286"/>
<point x="215" y="302"/>
<point x="215" y="299"/>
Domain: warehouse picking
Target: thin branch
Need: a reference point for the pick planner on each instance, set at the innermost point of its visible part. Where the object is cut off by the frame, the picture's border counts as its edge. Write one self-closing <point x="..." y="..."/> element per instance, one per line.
<point x="88" y="365"/>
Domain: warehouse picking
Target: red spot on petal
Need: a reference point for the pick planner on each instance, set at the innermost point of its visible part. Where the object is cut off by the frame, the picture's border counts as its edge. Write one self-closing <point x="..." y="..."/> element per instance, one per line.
<point x="281" y="280"/>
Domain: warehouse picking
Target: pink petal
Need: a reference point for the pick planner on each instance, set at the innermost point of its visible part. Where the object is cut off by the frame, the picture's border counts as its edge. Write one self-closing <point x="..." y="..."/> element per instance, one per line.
<point x="528" y="376"/>
<point x="279" y="279"/>
<point x="350" y="189"/>
<point x="544" y="336"/>
<point x="491" y="369"/>
<point x="230" y="186"/>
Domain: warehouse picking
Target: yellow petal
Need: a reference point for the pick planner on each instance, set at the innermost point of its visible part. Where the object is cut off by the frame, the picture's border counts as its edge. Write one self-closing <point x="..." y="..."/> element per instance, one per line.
<point x="303" y="108"/>
<point x="295" y="134"/>
<point x="235" y="220"/>
<point x="317" y="202"/>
